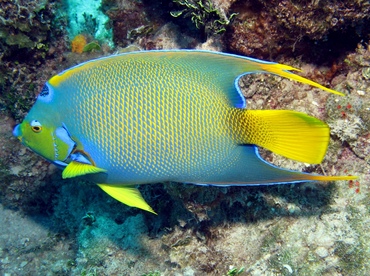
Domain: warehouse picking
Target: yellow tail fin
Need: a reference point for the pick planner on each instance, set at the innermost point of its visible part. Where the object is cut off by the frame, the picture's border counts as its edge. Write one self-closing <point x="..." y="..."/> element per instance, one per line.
<point x="292" y="134"/>
<point x="283" y="71"/>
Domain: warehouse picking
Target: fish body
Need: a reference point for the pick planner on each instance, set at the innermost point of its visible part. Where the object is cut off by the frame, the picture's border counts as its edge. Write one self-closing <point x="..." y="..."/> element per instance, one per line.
<point x="155" y="116"/>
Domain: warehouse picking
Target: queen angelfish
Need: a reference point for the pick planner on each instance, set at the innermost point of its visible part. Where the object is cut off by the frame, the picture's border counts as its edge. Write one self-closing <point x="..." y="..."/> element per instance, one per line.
<point x="179" y="115"/>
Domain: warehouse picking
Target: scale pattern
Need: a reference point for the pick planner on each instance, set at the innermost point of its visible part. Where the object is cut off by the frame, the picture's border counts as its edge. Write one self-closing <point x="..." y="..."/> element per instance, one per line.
<point x="175" y="126"/>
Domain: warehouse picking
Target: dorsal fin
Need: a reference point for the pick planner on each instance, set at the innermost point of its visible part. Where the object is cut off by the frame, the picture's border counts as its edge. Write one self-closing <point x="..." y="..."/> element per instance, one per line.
<point x="283" y="70"/>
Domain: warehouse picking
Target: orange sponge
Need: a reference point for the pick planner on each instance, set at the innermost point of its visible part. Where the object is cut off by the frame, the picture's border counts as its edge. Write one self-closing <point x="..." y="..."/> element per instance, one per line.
<point x="78" y="43"/>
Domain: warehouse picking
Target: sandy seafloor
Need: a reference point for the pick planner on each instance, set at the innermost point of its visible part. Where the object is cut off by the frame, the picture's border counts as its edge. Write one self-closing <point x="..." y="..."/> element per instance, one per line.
<point x="72" y="228"/>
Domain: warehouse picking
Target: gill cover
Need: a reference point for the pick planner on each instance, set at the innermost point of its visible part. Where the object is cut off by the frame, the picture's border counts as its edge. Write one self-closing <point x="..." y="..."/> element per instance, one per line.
<point x="53" y="144"/>
<point x="63" y="146"/>
<point x="37" y="137"/>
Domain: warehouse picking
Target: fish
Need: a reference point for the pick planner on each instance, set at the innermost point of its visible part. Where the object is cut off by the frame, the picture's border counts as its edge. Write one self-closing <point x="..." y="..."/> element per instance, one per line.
<point x="169" y="116"/>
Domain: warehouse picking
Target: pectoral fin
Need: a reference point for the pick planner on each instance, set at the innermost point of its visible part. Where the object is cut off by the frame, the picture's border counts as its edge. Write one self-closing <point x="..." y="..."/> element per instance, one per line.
<point x="77" y="169"/>
<point x="127" y="195"/>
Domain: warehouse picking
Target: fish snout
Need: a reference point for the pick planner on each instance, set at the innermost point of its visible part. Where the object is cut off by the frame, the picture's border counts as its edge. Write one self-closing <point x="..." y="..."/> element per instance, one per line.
<point x="17" y="132"/>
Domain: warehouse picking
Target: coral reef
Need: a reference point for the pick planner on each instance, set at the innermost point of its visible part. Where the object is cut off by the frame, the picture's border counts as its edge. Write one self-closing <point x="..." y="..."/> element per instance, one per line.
<point x="266" y="29"/>
<point x="315" y="19"/>
<point x="135" y="23"/>
<point x="130" y="21"/>
<point x="24" y="25"/>
<point x="88" y="18"/>
<point x="29" y="34"/>
<point x="51" y="226"/>
<point x="349" y="117"/>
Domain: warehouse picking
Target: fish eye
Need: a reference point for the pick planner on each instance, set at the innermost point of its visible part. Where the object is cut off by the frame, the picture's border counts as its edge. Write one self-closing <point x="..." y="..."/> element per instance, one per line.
<point x="36" y="126"/>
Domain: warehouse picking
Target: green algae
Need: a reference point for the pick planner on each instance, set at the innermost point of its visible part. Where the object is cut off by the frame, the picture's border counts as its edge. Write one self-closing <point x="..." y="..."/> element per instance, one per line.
<point x="281" y="262"/>
<point x="203" y="14"/>
<point x="21" y="40"/>
<point x="351" y="258"/>
<point x="92" y="46"/>
<point x="152" y="273"/>
<point x="354" y="255"/>
<point x="271" y="239"/>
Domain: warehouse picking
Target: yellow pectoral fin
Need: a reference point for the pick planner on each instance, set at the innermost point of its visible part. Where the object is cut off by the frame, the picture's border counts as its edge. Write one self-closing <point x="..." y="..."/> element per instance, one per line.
<point x="77" y="169"/>
<point x="127" y="195"/>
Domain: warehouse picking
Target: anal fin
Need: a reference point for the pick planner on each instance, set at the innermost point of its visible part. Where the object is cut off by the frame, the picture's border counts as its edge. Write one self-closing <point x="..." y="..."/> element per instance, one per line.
<point x="127" y="195"/>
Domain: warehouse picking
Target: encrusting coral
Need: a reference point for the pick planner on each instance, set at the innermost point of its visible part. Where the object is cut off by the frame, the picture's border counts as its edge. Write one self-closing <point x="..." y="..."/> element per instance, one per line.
<point x="24" y="24"/>
<point x="266" y="29"/>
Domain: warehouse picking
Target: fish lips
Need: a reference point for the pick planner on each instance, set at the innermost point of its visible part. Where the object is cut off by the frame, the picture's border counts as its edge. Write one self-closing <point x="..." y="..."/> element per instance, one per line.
<point x="17" y="132"/>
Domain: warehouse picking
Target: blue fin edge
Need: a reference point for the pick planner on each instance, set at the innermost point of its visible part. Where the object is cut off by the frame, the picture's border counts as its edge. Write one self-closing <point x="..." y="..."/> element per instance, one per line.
<point x="259" y="184"/>
<point x="168" y="50"/>
<point x="239" y="103"/>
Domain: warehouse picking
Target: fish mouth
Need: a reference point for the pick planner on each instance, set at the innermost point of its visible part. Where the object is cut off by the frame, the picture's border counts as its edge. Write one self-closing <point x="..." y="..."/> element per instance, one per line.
<point x="17" y="132"/>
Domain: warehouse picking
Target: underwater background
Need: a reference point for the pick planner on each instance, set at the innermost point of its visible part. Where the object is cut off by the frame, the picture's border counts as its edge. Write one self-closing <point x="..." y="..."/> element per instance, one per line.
<point x="50" y="226"/>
